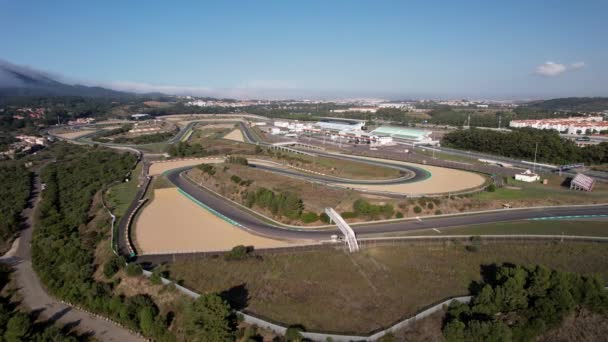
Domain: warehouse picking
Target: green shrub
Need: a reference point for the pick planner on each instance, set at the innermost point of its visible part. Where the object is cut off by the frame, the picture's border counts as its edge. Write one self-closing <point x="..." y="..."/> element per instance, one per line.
<point x="206" y="168"/>
<point x="324" y="218"/>
<point x="235" y="179"/>
<point x="113" y="265"/>
<point x="156" y="276"/>
<point x="492" y="188"/>
<point x="134" y="270"/>
<point x="239" y="252"/>
<point x="417" y="209"/>
<point x="399" y="215"/>
<point x="430" y="205"/>
<point x="309" y="217"/>
<point x="348" y="214"/>
<point x="438" y="212"/>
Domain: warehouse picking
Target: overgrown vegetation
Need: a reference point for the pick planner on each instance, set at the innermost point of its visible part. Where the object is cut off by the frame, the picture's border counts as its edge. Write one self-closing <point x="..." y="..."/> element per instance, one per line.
<point x="16" y="325"/>
<point x="515" y="303"/>
<point x="284" y="203"/>
<point x="521" y="143"/>
<point x="184" y="149"/>
<point x="145" y="139"/>
<point x="62" y="247"/>
<point x="15" y="184"/>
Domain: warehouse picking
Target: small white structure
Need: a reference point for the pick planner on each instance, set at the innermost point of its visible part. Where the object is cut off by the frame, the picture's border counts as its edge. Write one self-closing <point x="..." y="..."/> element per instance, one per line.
<point x="283" y="124"/>
<point x="349" y="234"/>
<point x="527" y="176"/>
<point x="582" y="182"/>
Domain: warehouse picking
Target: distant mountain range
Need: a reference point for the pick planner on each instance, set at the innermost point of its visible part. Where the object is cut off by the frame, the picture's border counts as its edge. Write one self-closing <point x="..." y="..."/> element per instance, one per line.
<point x="17" y="80"/>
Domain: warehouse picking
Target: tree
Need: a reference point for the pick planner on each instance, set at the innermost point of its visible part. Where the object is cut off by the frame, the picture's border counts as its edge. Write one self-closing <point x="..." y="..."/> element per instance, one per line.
<point x="18" y="328"/>
<point x="293" y="334"/>
<point x="146" y="321"/>
<point x="208" y="319"/>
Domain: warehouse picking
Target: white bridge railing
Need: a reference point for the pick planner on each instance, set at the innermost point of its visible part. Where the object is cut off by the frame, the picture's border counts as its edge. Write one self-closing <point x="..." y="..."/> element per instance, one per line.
<point x="349" y="234"/>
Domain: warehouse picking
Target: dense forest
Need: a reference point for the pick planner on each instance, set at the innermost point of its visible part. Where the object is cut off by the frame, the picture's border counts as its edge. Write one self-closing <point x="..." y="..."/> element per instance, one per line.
<point x="17" y="325"/>
<point x="515" y="303"/>
<point x="63" y="257"/>
<point x="521" y="144"/>
<point x="15" y="184"/>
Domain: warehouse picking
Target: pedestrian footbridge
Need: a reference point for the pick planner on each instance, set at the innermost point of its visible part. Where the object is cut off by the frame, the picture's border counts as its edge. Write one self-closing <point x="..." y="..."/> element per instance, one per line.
<point x="349" y="233"/>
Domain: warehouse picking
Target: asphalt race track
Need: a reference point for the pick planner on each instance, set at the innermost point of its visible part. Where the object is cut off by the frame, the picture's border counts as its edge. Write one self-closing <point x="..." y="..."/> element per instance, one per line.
<point x="258" y="226"/>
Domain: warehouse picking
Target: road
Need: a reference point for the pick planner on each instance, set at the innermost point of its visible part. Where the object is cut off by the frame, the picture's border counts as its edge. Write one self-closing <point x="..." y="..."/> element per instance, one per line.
<point x="261" y="227"/>
<point x="37" y="300"/>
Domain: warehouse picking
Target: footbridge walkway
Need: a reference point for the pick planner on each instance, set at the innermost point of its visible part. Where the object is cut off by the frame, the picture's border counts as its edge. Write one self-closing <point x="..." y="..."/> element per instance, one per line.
<point x="349" y="233"/>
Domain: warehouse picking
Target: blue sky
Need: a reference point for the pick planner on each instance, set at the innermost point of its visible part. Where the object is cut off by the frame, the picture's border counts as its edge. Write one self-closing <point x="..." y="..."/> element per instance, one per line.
<point x="390" y="49"/>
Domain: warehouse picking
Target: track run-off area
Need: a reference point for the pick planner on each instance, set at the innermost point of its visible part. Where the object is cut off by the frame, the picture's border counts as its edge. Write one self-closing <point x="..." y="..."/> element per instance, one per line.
<point x="418" y="180"/>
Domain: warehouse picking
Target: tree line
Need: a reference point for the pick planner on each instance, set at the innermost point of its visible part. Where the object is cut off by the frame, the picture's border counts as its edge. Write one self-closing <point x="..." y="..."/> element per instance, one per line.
<point x="19" y="325"/>
<point x="515" y="303"/>
<point x="61" y="255"/>
<point x="15" y="186"/>
<point x="521" y="143"/>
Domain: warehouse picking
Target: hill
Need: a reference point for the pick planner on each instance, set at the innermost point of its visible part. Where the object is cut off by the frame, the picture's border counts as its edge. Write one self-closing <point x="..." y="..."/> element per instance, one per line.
<point x="572" y="104"/>
<point x="18" y="80"/>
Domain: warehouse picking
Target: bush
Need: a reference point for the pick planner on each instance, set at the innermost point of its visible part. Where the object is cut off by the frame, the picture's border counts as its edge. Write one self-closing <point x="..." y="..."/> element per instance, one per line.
<point x="492" y="188"/>
<point x="324" y="218"/>
<point x="309" y="217"/>
<point x="237" y="160"/>
<point x="417" y="209"/>
<point x="206" y="168"/>
<point x="430" y="205"/>
<point x="113" y="265"/>
<point x="134" y="270"/>
<point x="399" y="215"/>
<point x="348" y="214"/>
<point x="156" y="276"/>
<point x="235" y="179"/>
<point x="438" y="212"/>
<point x="238" y="252"/>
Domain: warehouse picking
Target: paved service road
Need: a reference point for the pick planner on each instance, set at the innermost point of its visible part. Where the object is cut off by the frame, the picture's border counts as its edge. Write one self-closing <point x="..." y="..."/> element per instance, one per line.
<point x="36" y="298"/>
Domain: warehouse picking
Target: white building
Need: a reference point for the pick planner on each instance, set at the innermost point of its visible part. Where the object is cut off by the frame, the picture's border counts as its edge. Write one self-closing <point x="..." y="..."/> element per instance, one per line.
<point x="574" y="125"/>
<point x="339" y="124"/>
<point x="527" y="176"/>
<point x="198" y="103"/>
<point x="402" y="106"/>
<point x="356" y="109"/>
<point x="282" y="124"/>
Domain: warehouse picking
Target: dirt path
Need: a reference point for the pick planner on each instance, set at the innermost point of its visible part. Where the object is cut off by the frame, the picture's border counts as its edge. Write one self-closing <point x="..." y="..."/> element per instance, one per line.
<point x="75" y="134"/>
<point x="35" y="297"/>
<point x="174" y="223"/>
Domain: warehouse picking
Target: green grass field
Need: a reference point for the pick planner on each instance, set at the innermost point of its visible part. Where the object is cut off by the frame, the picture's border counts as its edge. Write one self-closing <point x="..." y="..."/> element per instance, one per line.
<point x="120" y="195"/>
<point x="553" y="227"/>
<point x="330" y="290"/>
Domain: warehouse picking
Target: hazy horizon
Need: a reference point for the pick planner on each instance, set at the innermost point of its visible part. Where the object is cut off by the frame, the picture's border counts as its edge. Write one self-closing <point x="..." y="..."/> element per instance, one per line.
<point x="317" y="50"/>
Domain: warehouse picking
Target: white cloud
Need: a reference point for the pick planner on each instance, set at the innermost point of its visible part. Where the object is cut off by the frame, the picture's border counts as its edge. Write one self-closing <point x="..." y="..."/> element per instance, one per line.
<point x="577" y="65"/>
<point x="551" y="69"/>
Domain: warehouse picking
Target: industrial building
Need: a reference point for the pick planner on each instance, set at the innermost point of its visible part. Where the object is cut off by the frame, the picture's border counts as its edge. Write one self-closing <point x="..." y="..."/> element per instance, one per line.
<point x="416" y="136"/>
<point x="339" y="124"/>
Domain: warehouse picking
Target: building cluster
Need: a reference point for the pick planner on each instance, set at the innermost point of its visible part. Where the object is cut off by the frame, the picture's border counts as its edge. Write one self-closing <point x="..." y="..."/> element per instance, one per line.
<point x="81" y="121"/>
<point x="573" y="125"/>
<point x="26" y="144"/>
<point x="229" y="104"/>
<point x="352" y="130"/>
<point x="34" y="113"/>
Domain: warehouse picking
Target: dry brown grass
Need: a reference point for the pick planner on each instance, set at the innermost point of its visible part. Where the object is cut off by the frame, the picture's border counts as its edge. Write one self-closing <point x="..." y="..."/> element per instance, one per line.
<point x="580" y="326"/>
<point x="357" y="293"/>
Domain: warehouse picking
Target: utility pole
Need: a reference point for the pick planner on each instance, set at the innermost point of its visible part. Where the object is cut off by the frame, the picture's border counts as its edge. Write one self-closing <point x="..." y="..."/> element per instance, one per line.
<point x="535" y="151"/>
